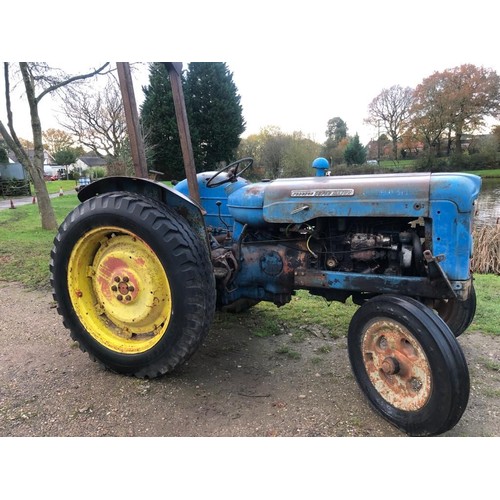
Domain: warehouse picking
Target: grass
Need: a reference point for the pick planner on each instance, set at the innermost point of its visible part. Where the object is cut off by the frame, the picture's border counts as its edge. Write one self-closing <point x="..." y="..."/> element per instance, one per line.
<point x="25" y="253"/>
<point x="494" y="172"/>
<point x="55" y="186"/>
<point x="304" y="316"/>
<point x="25" y="247"/>
<point x="487" y="317"/>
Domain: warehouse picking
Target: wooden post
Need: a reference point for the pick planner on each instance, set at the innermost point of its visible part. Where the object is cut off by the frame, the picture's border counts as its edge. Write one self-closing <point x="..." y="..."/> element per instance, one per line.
<point x="174" y="73"/>
<point x="132" y="118"/>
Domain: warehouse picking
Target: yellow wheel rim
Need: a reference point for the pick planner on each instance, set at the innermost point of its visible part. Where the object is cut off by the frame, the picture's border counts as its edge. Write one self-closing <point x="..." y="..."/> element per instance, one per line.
<point x="119" y="290"/>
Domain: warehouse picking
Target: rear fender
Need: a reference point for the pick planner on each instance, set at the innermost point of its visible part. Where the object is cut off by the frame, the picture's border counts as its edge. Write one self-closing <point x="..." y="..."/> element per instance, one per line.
<point x="183" y="205"/>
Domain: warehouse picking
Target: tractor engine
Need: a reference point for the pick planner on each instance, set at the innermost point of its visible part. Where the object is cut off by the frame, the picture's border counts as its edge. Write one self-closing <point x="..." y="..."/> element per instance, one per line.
<point x="265" y="263"/>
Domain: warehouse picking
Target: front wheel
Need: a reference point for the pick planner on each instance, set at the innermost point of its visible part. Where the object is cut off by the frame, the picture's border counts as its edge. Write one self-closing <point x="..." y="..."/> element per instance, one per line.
<point x="409" y="365"/>
<point x="457" y="314"/>
<point x="133" y="283"/>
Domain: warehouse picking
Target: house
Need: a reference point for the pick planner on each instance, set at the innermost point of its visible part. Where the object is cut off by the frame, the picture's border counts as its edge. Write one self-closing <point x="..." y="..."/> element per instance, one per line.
<point x="90" y="163"/>
<point x="50" y="168"/>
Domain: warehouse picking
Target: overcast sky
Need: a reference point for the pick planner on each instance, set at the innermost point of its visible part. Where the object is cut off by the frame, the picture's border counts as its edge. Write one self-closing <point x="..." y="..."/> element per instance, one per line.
<point x="294" y="67"/>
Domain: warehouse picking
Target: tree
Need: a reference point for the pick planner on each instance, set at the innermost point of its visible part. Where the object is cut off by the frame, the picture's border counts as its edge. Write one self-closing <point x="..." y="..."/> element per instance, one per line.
<point x="355" y="153"/>
<point x="430" y="114"/>
<point x="495" y="131"/>
<point x="96" y="118"/>
<point x="161" y="134"/>
<point x="299" y="156"/>
<point x="473" y="93"/>
<point x="39" y="80"/>
<point x="274" y="147"/>
<point x="391" y="108"/>
<point x="65" y="157"/>
<point x="214" y="112"/>
<point x="337" y="130"/>
<point x="335" y="143"/>
<point x="214" y="116"/>
<point x="4" y="157"/>
<point x="277" y="154"/>
<point x="56" y="140"/>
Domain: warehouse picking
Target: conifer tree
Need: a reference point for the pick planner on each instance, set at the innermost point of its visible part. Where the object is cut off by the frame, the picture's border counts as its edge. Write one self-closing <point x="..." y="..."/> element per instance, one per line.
<point x="214" y="113"/>
<point x="355" y="153"/>
<point x="161" y="134"/>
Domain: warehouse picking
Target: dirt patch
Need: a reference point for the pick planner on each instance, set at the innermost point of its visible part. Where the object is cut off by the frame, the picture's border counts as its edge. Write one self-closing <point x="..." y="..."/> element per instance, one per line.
<point x="235" y="385"/>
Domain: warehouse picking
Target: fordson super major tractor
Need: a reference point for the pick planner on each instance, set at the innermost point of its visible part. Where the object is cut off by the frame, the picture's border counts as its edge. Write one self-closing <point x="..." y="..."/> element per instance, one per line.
<point x="138" y="270"/>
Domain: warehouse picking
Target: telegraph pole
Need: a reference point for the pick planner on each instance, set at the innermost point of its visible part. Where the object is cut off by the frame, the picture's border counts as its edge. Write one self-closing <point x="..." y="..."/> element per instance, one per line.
<point x="174" y="73"/>
<point x="132" y="118"/>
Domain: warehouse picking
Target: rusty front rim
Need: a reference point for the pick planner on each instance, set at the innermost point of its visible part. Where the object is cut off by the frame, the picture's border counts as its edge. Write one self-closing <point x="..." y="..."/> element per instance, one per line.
<point x="396" y="365"/>
<point x="119" y="290"/>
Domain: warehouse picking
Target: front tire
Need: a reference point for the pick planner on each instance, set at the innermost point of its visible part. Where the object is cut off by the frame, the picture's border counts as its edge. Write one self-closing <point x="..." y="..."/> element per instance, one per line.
<point x="457" y="314"/>
<point x="133" y="283"/>
<point x="409" y="365"/>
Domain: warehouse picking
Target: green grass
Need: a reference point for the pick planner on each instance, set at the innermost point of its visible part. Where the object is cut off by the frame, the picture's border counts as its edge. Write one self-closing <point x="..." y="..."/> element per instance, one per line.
<point x="487" y="318"/>
<point x="400" y="163"/>
<point x="494" y="172"/>
<point x="306" y="315"/>
<point x="25" y="254"/>
<point x="25" y="247"/>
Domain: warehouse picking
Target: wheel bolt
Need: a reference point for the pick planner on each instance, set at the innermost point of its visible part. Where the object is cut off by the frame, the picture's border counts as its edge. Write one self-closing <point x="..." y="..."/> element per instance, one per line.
<point x="117" y="279"/>
<point x="114" y="288"/>
<point x="119" y="297"/>
<point x="131" y="288"/>
<point x="125" y="279"/>
<point x="128" y="297"/>
<point x="390" y="366"/>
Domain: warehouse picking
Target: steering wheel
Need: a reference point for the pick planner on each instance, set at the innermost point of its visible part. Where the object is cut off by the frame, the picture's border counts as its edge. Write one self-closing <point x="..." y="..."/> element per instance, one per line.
<point x="234" y="172"/>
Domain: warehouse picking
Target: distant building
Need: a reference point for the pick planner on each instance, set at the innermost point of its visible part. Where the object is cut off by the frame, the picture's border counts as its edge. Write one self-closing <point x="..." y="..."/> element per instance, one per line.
<point x="90" y="163"/>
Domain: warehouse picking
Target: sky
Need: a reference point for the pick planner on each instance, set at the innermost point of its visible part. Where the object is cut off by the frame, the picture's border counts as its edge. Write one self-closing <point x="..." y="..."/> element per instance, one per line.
<point x="294" y="67"/>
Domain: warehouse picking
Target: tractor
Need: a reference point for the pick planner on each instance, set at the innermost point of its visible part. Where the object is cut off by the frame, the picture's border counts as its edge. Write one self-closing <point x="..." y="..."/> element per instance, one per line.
<point x="138" y="270"/>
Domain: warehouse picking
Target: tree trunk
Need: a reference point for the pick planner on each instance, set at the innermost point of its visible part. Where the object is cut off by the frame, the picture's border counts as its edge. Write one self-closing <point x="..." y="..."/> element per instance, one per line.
<point x="47" y="214"/>
<point x="458" y="140"/>
<point x="395" y="147"/>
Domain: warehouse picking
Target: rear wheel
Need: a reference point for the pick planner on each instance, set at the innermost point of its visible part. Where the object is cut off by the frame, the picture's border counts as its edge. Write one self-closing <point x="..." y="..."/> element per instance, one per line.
<point x="133" y="283"/>
<point x="409" y="365"/>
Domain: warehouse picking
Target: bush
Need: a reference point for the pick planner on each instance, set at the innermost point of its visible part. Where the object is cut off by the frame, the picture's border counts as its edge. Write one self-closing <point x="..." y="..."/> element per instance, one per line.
<point x="456" y="162"/>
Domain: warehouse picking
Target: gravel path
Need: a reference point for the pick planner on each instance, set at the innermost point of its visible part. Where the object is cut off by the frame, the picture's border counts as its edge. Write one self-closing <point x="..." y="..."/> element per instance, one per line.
<point x="235" y="385"/>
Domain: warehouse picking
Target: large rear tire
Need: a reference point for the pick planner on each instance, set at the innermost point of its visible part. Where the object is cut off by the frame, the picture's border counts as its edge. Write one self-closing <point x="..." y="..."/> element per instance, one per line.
<point x="133" y="283"/>
<point x="409" y="365"/>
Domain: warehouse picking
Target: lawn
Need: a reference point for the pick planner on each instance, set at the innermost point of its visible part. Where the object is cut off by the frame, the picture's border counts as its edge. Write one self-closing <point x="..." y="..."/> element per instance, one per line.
<point x="25" y="253"/>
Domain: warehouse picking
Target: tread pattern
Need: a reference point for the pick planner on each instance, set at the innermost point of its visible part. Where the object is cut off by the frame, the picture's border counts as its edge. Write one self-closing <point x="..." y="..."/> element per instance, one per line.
<point x="194" y="271"/>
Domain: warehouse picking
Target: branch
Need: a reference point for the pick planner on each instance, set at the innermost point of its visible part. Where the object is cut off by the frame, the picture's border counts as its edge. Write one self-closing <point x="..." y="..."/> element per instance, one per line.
<point x="70" y="80"/>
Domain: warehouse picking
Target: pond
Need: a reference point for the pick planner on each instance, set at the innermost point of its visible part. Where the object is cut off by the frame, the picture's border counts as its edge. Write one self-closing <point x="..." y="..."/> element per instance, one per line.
<point x="488" y="207"/>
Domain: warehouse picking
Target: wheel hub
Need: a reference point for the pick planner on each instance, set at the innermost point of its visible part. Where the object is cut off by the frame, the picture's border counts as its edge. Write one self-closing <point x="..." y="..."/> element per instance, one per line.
<point x="390" y="365"/>
<point x="123" y="289"/>
<point x="397" y="365"/>
<point x="119" y="289"/>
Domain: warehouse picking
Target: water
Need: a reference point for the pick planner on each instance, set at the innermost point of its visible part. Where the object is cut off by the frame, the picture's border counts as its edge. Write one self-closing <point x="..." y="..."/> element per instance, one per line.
<point x="488" y="206"/>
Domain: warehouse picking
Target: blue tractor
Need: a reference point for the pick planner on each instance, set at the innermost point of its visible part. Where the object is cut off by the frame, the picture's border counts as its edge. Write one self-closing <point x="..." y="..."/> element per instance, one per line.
<point x="139" y="269"/>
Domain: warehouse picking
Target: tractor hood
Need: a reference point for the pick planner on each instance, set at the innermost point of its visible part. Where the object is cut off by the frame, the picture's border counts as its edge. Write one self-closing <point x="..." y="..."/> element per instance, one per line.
<point x="396" y="195"/>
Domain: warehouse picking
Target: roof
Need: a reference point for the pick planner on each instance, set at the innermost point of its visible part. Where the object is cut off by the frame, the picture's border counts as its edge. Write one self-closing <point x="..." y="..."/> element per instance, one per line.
<point x="31" y="154"/>
<point x="93" y="161"/>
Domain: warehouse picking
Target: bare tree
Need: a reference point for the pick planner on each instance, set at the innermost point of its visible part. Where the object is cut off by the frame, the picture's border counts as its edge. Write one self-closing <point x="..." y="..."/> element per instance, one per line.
<point x="391" y="108"/>
<point x="39" y="80"/>
<point x="97" y="119"/>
